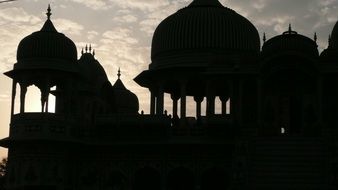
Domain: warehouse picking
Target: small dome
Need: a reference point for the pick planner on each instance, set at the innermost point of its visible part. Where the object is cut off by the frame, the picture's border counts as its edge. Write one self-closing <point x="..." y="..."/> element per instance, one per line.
<point x="46" y="47"/>
<point x="92" y="70"/>
<point x="125" y="100"/>
<point x="205" y="27"/>
<point x="119" y="99"/>
<point x="329" y="55"/>
<point x="290" y="41"/>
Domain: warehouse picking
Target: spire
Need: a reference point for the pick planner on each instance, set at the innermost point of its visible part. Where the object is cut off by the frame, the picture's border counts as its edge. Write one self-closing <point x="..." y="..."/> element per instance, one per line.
<point x="48" y="12"/>
<point x="119" y="73"/>
<point x="315" y="37"/>
<point x="290" y="28"/>
<point x="264" y="37"/>
<point x="86" y="48"/>
<point x="82" y="51"/>
<point x="90" y="48"/>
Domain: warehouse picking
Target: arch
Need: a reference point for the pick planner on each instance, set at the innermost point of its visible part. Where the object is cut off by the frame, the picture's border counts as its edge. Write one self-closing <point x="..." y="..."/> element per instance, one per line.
<point x="214" y="179"/>
<point x="147" y="178"/>
<point x="181" y="179"/>
<point x="116" y="180"/>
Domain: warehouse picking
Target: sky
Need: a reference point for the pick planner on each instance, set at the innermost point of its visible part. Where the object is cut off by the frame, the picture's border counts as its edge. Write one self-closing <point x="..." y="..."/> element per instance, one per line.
<point x="121" y="31"/>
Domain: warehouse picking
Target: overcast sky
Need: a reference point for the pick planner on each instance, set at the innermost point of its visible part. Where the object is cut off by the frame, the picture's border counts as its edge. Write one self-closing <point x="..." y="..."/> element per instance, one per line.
<point x="121" y="31"/>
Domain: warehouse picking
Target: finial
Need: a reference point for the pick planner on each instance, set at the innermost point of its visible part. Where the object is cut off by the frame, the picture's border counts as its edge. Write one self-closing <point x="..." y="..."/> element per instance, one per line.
<point x="82" y="51"/>
<point x="119" y="73"/>
<point x="290" y="28"/>
<point x="264" y="37"/>
<point x="315" y="37"/>
<point x="48" y="12"/>
<point x="90" y="48"/>
<point x="86" y="48"/>
<point x="93" y="52"/>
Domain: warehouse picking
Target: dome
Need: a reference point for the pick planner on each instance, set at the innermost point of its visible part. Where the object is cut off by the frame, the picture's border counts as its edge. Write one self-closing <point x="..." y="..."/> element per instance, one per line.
<point x="188" y="37"/>
<point x="290" y="41"/>
<point x="119" y="99"/>
<point x="331" y="53"/>
<point x="92" y="70"/>
<point x="46" y="47"/>
<point x="334" y="36"/>
<point x="125" y="101"/>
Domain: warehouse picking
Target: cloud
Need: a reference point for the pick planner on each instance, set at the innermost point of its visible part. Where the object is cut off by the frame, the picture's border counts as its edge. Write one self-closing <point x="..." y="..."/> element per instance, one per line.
<point x="93" y="4"/>
<point x="68" y="26"/>
<point x="125" y="18"/>
<point x="18" y="15"/>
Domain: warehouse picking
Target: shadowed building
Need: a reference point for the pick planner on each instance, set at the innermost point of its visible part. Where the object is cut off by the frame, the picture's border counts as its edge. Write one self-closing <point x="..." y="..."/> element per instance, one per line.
<point x="275" y="129"/>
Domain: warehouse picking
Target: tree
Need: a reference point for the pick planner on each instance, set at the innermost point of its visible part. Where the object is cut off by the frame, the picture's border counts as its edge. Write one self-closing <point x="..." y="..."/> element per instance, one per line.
<point x="3" y="169"/>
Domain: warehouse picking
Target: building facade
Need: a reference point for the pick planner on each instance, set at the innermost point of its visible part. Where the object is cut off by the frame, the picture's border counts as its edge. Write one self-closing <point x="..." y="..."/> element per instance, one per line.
<point x="276" y="129"/>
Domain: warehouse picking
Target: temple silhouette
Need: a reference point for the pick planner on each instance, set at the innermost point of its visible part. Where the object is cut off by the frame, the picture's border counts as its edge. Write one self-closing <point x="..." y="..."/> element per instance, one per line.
<point x="276" y="127"/>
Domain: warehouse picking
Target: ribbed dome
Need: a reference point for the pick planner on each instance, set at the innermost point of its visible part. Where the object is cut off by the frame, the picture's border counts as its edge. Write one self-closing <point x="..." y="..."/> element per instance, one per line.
<point x="46" y="44"/>
<point x="204" y="26"/>
<point x="290" y="41"/>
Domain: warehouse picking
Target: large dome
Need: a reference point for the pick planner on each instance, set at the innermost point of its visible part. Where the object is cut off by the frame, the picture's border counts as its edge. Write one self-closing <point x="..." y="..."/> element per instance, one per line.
<point x="330" y="54"/>
<point x="204" y="27"/>
<point x="334" y="37"/>
<point x="46" y="47"/>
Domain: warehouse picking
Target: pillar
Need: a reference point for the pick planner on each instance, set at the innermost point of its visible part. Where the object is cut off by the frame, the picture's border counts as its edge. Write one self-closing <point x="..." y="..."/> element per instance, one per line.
<point x="23" y="91"/>
<point x="210" y="105"/>
<point x="13" y="97"/>
<point x="198" y="100"/>
<point x="175" y="101"/>
<point x="259" y="103"/>
<point x="183" y="100"/>
<point x="160" y="101"/>
<point x="152" y="102"/>
<point x="44" y="99"/>
<point x="224" y="100"/>
<point x="320" y="101"/>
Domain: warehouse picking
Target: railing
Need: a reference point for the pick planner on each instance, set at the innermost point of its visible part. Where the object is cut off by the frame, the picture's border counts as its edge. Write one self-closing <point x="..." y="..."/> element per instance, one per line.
<point x="118" y="127"/>
<point x="33" y="125"/>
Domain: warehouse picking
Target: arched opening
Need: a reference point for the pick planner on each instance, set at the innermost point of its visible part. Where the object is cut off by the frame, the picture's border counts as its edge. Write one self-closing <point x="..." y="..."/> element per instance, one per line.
<point x="116" y="181"/>
<point x="218" y="106"/>
<point x="147" y="179"/>
<point x="32" y="99"/>
<point x="181" y="179"/>
<point x="214" y="179"/>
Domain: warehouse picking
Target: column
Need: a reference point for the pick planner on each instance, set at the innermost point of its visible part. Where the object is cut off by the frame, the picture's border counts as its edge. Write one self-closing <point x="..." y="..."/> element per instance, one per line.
<point x="152" y="102"/>
<point x="23" y="91"/>
<point x="259" y="103"/>
<point x="320" y="102"/>
<point x="44" y="99"/>
<point x="13" y="97"/>
<point x="210" y="105"/>
<point x="183" y="100"/>
<point x="160" y="101"/>
<point x="198" y="100"/>
<point x="239" y="101"/>
<point x="175" y="100"/>
<point x="224" y="100"/>
<point x="232" y="99"/>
